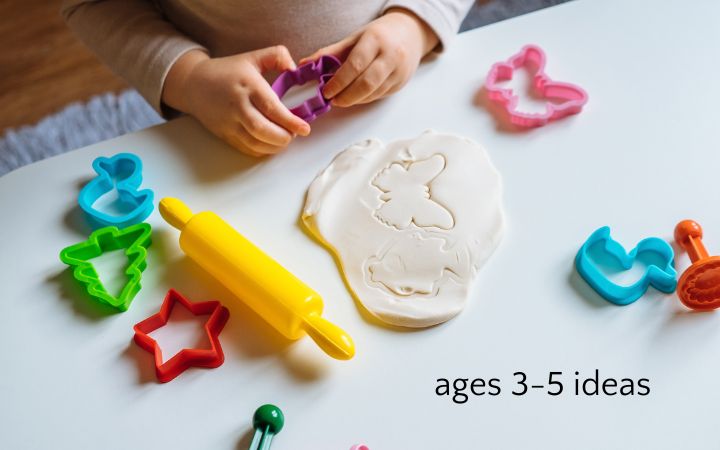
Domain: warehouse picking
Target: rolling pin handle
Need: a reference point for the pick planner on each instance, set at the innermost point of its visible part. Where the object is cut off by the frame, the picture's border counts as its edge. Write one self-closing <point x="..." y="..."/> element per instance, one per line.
<point x="175" y="212"/>
<point x="329" y="337"/>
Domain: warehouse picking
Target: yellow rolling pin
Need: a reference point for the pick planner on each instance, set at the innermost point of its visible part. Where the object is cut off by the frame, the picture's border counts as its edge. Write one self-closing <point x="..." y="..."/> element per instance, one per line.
<point x="275" y="294"/>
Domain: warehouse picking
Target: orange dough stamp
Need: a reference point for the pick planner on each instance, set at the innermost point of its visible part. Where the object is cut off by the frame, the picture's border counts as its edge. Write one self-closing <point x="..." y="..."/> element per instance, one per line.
<point x="699" y="285"/>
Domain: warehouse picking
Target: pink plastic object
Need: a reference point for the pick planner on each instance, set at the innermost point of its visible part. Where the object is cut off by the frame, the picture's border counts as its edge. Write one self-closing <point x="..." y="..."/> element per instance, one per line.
<point x="359" y="447"/>
<point x="563" y="98"/>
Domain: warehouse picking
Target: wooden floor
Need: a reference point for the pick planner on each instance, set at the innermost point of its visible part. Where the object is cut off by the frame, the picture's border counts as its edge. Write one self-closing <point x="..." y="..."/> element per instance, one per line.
<point x="43" y="66"/>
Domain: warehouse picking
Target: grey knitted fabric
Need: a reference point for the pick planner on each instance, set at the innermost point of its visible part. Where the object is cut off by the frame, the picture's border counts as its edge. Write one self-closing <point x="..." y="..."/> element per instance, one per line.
<point x="109" y="115"/>
<point x="485" y="12"/>
<point x="77" y="125"/>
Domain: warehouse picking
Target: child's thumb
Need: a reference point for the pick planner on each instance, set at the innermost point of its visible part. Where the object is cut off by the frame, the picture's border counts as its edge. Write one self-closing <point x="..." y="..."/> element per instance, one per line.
<point x="274" y="58"/>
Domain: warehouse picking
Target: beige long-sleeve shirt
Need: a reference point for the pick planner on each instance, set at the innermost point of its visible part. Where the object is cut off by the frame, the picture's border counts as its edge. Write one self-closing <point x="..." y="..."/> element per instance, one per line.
<point x="141" y="39"/>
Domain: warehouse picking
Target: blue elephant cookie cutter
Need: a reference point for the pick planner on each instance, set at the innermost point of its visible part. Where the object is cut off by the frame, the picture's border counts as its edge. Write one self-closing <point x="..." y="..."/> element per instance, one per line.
<point x="122" y="172"/>
<point x="663" y="279"/>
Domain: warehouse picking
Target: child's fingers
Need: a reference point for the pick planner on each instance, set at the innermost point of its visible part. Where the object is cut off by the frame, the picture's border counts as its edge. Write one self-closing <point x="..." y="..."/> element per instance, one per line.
<point x="268" y="103"/>
<point x="246" y="143"/>
<point x="391" y="84"/>
<point x="365" y="84"/>
<point x="273" y="58"/>
<point x="360" y="57"/>
<point x="239" y="143"/>
<point x="258" y="126"/>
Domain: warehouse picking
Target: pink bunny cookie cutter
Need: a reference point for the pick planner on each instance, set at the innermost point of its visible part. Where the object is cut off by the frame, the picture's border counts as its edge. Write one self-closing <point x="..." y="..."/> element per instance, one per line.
<point x="565" y="98"/>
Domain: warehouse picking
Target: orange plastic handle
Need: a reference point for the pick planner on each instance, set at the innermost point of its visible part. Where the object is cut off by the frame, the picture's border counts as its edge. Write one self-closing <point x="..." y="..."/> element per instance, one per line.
<point x="688" y="234"/>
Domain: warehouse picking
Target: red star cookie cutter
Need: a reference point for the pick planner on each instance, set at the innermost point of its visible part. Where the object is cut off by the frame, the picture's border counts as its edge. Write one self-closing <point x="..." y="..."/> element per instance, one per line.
<point x="566" y="98"/>
<point x="187" y="357"/>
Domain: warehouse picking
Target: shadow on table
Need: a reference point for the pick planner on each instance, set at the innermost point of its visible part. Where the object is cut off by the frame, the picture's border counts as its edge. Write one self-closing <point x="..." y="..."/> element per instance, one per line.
<point x="687" y="325"/>
<point x="246" y="439"/>
<point x="144" y="361"/>
<point x="71" y="292"/>
<point x="74" y="218"/>
<point x="246" y="335"/>
<point x="210" y="159"/>
<point x="586" y="292"/>
<point x="499" y="115"/>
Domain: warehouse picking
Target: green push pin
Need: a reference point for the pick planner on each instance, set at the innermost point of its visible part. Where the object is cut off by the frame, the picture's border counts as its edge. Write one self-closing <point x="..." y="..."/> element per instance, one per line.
<point x="268" y="420"/>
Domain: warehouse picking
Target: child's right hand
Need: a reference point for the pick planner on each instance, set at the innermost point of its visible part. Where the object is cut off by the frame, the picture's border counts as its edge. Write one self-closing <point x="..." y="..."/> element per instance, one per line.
<point x="230" y="97"/>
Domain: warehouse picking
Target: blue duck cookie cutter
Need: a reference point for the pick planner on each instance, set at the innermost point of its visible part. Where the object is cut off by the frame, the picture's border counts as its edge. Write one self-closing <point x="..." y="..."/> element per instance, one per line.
<point x="663" y="279"/>
<point x="124" y="173"/>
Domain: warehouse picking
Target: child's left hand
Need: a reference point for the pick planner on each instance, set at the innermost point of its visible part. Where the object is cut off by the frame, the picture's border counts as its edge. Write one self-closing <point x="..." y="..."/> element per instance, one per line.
<point x="381" y="58"/>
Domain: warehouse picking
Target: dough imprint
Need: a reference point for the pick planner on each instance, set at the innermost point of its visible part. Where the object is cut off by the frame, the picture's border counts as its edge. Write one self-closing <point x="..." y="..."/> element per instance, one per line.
<point x="411" y="223"/>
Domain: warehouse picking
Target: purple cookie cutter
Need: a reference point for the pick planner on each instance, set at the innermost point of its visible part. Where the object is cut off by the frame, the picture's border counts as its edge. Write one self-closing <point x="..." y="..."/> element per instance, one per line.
<point x="320" y="70"/>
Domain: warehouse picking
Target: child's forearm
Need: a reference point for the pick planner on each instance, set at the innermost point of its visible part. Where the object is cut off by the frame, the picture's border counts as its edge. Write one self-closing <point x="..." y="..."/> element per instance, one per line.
<point x="430" y="39"/>
<point x="442" y="16"/>
<point x="132" y="38"/>
<point x="174" y="91"/>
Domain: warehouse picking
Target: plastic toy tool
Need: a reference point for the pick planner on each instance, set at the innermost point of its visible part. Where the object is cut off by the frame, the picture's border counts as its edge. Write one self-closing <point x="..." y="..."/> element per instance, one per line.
<point x="188" y="357"/>
<point x="134" y="239"/>
<point x="275" y="294"/>
<point x="563" y="98"/>
<point x="268" y="420"/>
<point x="321" y="71"/>
<point x="602" y="250"/>
<point x="122" y="172"/>
<point x="699" y="285"/>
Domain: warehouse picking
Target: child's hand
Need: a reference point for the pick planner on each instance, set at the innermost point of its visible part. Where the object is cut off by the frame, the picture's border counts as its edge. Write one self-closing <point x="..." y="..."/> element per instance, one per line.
<point x="230" y="97"/>
<point x="381" y="58"/>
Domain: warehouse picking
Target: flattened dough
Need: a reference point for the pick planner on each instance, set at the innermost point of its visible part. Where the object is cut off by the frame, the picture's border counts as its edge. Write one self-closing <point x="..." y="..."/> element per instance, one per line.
<point x="411" y="223"/>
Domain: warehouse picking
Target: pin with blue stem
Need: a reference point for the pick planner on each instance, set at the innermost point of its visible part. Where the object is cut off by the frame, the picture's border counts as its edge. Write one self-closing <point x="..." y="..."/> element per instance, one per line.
<point x="268" y="420"/>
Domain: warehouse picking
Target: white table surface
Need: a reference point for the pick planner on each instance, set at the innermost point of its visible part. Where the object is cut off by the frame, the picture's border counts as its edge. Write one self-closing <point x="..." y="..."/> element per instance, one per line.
<point x="643" y="155"/>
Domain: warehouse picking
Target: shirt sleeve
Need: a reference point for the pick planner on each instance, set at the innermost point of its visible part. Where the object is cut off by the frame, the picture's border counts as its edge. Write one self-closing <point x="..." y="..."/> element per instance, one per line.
<point x="442" y="16"/>
<point x="132" y="38"/>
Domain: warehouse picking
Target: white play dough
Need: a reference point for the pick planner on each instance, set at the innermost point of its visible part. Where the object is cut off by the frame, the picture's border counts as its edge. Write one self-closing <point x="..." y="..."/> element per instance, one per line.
<point x="411" y="223"/>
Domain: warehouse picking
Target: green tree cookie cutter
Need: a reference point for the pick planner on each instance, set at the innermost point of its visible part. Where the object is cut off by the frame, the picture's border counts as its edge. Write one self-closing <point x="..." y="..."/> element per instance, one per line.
<point x="135" y="239"/>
